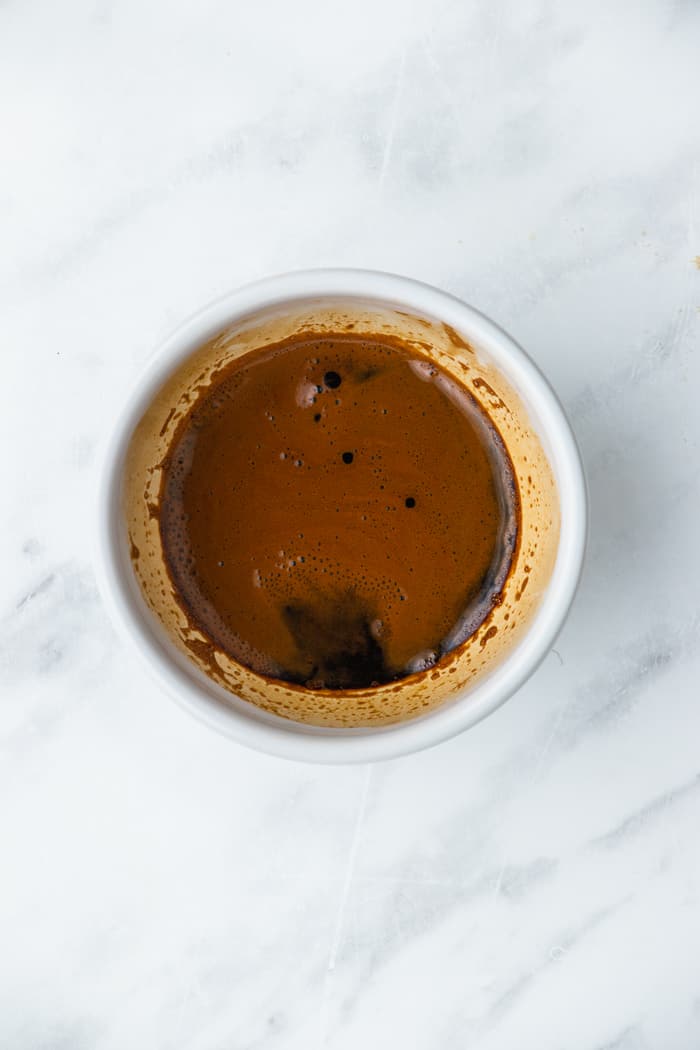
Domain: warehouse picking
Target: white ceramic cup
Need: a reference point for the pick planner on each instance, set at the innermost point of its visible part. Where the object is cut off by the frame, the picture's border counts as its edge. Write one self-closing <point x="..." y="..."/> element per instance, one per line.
<point x="246" y="722"/>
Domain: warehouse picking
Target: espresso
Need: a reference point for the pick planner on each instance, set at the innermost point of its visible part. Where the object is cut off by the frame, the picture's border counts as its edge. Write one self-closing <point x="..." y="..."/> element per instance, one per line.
<point x="337" y="512"/>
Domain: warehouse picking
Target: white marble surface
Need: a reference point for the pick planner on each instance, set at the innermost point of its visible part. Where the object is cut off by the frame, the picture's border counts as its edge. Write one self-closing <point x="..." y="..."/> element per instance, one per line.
<point x="535" y="883"/>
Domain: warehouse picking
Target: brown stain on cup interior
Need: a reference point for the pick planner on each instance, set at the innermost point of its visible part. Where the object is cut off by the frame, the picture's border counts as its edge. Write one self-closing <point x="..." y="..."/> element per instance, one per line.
<point x="394" y="699"/>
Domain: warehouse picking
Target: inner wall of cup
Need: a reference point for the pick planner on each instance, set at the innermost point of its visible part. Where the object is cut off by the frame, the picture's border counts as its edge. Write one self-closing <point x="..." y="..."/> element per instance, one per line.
<point x="460" y="670"/>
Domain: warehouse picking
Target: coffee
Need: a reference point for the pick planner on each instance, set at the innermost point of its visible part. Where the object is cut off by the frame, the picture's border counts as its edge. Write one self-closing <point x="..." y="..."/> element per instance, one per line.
<point x="393" y="601"/>
<point x="337" y="511"/>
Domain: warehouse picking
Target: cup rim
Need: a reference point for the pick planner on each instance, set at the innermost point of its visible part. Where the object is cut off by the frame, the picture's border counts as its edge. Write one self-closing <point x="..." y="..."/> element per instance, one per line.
<point x="318" y="744"/>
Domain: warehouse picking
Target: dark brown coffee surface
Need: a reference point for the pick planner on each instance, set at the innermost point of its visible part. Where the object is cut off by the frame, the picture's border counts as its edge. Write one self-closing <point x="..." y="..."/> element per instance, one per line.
<point x="337" y="512"/>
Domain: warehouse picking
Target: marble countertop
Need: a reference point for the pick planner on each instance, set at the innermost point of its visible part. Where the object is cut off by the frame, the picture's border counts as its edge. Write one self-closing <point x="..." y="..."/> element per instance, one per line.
<point x="534" y="883"/>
